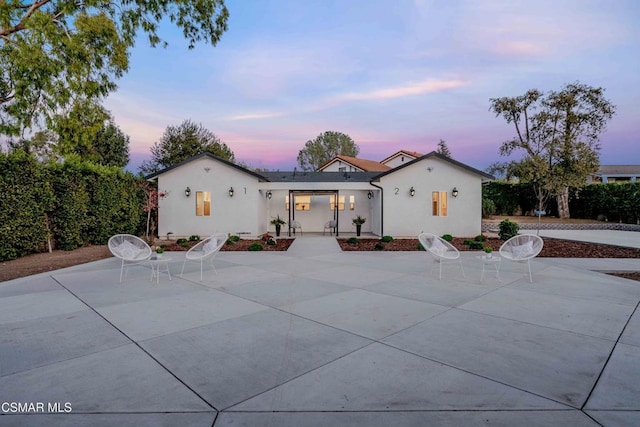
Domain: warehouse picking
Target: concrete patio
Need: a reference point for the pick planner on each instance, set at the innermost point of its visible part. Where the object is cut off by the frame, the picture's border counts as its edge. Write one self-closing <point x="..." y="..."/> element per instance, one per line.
<point x="316" y="337"/>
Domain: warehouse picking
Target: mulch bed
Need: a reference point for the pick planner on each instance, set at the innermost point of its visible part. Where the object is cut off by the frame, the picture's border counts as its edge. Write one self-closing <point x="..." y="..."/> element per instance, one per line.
<point x="553" y="248"/>
<point x="240" y="245"/>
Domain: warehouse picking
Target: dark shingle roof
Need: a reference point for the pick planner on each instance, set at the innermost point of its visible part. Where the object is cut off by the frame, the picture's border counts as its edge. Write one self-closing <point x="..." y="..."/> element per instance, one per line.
<point x="319" y="176"/>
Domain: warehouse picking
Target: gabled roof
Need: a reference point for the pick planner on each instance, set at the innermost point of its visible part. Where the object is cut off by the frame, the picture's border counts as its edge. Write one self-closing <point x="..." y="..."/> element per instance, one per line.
<point x="362" y="164"/>
<point x="436" y="155"/>
<point x="210" y="156"/>
<point x="413" y="154"/>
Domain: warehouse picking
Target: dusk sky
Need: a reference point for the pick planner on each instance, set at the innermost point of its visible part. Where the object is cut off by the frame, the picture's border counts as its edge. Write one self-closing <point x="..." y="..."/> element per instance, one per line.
<point x="393" y="75"/>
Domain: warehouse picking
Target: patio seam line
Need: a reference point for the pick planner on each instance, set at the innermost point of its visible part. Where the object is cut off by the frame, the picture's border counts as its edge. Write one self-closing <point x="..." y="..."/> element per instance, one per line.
<point x="298" y="376"/>
<point x="578" y="298"/>
<point x="138" y="345"/>
<point x="361" y="411"/>
<point x="569" y="407"/>
<point x="64" y="360"/>
<point x="541" y="326"/>
<point x="75" y="413"/>
<point x="606" y="363"/>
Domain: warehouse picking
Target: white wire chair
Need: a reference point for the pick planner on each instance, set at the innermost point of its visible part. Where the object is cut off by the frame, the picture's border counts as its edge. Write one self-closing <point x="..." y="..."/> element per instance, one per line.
<point x="331" y="226"/>
<point x="442" y="251"/>
<point x="205" y="250"/>
<point x="130" y="249"/>
<point x="294" y="225"/>
<point x="522" y="248"/>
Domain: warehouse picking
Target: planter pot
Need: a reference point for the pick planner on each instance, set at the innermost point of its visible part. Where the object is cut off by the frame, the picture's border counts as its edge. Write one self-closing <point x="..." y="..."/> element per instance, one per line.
<point x="358" y="229"/>
<point x="278" y="230"/>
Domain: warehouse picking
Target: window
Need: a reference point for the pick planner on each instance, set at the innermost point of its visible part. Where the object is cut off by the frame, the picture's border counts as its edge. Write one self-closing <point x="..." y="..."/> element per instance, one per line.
<point x="439" y="203"/>
<point x="286" y="203"/>
<point x="332" y="203"/>
<point x="203" y="203"/>
<point x="352" y="203"/>
<point x="342" y="169"/>
<point x="303" y="203"/>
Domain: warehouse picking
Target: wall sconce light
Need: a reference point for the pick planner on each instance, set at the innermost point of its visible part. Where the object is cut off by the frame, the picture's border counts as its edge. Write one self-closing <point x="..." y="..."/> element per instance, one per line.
<point x="370" y="195"/>
<point x="412" y="192"/>
<point x="187" y="192"/>
<point x="269" y="195"/>
<point x="231" y="192"/>
<point x="454" y="192"/>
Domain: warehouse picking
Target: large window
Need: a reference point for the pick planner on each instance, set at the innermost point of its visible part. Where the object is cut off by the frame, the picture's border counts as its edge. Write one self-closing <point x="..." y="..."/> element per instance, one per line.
<point x="332" y="203"/>
<point x="303" y="203"/>
<point x="439" y="203"/>
<point x="203" y="203"/>
<point x="352" y="203"/>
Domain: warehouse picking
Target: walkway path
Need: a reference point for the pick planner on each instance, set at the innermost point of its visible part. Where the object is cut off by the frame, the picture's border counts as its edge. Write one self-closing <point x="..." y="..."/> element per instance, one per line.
<point x="317" y="337"/>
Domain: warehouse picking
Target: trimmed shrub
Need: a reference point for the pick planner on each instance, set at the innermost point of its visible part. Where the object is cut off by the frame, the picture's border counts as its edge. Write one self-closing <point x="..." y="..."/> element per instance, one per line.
<point x="447" y="237"/>
<point x="508" y="229"/>
<point x="467" y="242"/>
<point x="181" y="241"/>
<point x="255" y="247"/>
<point x="386" y="239"/>
<point x="476" y="245"/>
<point x="480" y="238"/>
<point x="194" y="238"/>
<point x="184" y="244"/>
<point x="353" y="241"/>
<point x="232" y="240"/>
<point x="420" y="247"/>
<point x="379" y="246"/>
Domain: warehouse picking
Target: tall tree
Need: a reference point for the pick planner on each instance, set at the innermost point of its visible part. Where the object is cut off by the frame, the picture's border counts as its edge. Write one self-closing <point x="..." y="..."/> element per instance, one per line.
<point x="58" y="56"/>
<point x="326" y="146"/>
<point x="559" y="134"/>
<point x="111" y="146"/>
<point x="443" y="149"/>
<point x="178" y="143"/>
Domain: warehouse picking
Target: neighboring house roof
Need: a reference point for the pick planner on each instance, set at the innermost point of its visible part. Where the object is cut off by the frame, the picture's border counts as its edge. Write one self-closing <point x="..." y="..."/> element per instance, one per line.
<point x="436" y="155"/>
<point x="413" y="154"/>
<point x="211" y="156"/>
<point x="618" y="170"/>
<point x="362" y="164"/>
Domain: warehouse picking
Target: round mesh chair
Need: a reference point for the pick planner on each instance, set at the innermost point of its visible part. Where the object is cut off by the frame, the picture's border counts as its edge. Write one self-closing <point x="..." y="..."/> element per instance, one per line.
<point x="522" y="248"/>
<point x="130" y="249"/>
<point x="442" y="251"/>
<point x="205" y="250"/>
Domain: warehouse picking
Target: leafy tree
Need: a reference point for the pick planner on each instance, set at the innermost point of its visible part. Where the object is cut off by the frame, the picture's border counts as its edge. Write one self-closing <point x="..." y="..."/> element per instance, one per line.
<point x="558" y="133"/>
<point x="111" y="146"/>
<point x="41" y="146"/>
<point x="179" y="143"/>
<point x="326" y="146"/>
<point x="443" y="149"/>
<point x="62" y="57"/>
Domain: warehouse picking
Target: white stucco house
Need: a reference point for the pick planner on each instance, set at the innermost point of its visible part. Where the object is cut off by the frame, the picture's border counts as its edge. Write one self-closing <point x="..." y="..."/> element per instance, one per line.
<point x="430" y="193"/>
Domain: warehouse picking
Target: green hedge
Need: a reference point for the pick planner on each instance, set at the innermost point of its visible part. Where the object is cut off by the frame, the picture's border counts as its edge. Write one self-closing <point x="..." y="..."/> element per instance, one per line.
<point x="26" y="197"/>
<point x="616" y="202"/>
<point x="75" y="203"/>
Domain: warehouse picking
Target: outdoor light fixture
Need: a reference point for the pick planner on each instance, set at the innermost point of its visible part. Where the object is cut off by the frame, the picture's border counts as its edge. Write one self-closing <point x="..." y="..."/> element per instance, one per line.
<point x="187" y="192"/>
<point x="231" y="192"/>
<point x="412" y="192"/>
<point x="370" y="195"/>
<point x="454" y="192"/>
<point x="269" y="194"/>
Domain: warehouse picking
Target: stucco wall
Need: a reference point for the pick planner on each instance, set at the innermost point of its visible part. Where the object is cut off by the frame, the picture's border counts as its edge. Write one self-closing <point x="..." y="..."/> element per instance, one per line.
<point x="240" y="213"/>
<point x="398" y="161"/>
<point x="407" y="216"/>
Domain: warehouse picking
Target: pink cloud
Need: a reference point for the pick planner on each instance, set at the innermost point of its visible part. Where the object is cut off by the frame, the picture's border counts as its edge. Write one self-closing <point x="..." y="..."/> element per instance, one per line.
<point x="410" y="89"/>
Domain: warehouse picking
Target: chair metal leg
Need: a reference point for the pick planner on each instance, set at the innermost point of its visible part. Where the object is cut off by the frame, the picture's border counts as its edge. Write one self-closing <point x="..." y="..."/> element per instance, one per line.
<point x="121" y="270"/>
<point x="529" y="265"/>
<point x="460" y="261"/>
<point x="182" y="272"/>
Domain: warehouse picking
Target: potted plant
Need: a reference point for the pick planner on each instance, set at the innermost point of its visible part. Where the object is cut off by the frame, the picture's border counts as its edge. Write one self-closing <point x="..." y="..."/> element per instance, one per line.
<point x="358" y="221"/>
<point x="488" y="251"/>
<point x="159" y="252"/>
<point x="278" y="222"/>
